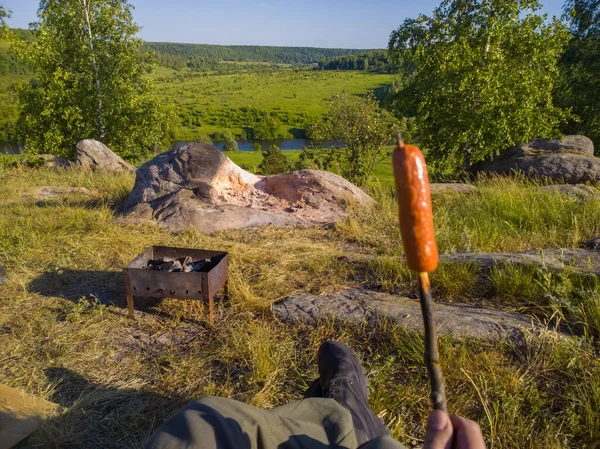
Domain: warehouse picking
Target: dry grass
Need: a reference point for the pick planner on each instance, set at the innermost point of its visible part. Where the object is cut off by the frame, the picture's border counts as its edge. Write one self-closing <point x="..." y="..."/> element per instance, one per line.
<point x="65" y="335"/>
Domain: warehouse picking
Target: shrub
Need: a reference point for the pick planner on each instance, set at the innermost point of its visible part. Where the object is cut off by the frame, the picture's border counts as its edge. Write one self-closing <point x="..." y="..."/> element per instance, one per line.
<point x="230" y="145"/>
<point x="274" y="162"/>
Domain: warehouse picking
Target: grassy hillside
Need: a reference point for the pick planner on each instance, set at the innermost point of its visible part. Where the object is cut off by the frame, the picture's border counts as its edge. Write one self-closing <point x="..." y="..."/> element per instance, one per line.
<point x="66" y="336"/>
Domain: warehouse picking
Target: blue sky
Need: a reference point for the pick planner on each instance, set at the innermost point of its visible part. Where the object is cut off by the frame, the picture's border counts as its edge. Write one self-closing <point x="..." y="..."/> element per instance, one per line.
<point x="315" y="23"/>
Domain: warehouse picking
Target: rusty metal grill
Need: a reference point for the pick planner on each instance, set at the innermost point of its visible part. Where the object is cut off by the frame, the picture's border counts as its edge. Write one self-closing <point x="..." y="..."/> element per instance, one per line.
<point x="201" y="285"/>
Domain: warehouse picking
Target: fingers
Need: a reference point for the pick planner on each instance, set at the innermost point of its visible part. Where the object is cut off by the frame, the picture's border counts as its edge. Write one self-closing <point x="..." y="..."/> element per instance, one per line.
<point x="452" y="432"/>
<point x="439" y="431"/>
<point x="467" y="434"/>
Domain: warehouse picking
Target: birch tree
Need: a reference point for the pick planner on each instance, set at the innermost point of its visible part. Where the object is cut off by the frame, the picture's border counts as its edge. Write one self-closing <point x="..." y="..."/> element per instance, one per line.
<point x="91" y="81"/>
<point x="580" y="67"/>
<point x="478" y="76"/>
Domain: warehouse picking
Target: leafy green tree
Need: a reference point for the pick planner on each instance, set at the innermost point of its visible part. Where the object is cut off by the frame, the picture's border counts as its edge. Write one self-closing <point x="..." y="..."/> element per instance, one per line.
<point x="274" y="162"/>
<point x="230" y="145"/>
<point x="478" y="76"/>
<point x="257" y="146"/>
<point x="580" y="68"/>
<point x="4" y="14"/>
<point x="227" y="135"/>
<point x="203" y="138"/>
<point x="366" y="130"/>
<point x="270" y="127"/>
<point x="91" y="81"/>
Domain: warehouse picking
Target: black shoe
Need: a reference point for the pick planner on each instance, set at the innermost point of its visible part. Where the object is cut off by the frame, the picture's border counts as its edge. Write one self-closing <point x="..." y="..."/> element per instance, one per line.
<point x="343" y="379"/>
<point x="314" y="390"/>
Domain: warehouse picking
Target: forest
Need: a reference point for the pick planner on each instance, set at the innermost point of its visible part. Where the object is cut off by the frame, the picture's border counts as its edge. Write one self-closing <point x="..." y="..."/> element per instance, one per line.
<point x="243" y="53"/>
<point x="371" y="61"/>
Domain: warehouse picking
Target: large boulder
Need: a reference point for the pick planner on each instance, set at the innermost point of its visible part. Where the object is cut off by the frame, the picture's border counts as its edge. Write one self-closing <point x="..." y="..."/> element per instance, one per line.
<point x="95" y="155"/>
<point x="570" y="160"/>
<point x="197" y="187"/>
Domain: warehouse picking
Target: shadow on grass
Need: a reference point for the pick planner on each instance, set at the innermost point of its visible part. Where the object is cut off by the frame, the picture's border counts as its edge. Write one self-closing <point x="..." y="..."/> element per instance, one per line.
<point x="91" y="203"/>
<point x="98" y="416"/>
<point x="108" y="287"/>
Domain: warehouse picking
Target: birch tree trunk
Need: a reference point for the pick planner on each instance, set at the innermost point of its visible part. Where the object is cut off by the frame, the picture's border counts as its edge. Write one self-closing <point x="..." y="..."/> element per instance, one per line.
<point x="86" y="10"/>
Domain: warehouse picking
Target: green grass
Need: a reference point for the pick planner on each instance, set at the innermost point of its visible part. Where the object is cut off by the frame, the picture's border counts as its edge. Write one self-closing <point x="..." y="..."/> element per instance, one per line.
<point x="295" y="97"/>
<point x="66" y="336"/>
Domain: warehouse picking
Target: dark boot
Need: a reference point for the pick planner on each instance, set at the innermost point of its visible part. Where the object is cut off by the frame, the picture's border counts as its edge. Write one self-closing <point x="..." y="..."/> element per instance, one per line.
<point x="343" y="379"/>
<point x="314" y="390"/>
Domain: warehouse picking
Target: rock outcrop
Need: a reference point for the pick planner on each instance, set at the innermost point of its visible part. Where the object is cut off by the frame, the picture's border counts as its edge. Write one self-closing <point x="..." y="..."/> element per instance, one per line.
<point x="570" y="160"/>
<point x="358" y="306"/>
<point x="197" y="187"/>
<point x="97" y="156"/>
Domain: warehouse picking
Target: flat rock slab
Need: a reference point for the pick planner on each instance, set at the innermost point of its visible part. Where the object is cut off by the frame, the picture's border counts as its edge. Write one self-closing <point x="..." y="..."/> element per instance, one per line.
<point x="45" y="193"/>
<point x="581" y="261"/>
<point x="358" y="306"/>
<point x="577" y="191"/>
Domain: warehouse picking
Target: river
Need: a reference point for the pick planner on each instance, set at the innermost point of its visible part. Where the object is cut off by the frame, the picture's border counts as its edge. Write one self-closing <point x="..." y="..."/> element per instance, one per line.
<point x="243" y="145"/>
<point x="284" y="144"/>
<point x="10" y="148"/>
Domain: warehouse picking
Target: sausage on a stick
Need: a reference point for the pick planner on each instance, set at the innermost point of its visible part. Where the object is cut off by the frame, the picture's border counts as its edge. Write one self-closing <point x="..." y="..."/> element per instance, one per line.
<point x="416" y="228"/>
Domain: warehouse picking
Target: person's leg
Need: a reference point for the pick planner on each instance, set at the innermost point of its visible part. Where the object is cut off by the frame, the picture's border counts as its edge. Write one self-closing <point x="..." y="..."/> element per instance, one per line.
<point x="218" y="423"/>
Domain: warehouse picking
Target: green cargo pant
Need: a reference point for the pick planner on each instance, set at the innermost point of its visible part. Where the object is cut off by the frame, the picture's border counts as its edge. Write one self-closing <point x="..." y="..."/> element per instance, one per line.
<point x="218" y="423"/>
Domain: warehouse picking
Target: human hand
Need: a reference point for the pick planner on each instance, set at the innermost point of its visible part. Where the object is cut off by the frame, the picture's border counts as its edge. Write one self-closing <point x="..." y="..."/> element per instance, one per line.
<point x="452" y="432"/>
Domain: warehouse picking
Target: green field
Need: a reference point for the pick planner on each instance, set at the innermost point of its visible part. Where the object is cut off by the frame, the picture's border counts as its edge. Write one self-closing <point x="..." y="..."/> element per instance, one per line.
<point x="212" y="103"/>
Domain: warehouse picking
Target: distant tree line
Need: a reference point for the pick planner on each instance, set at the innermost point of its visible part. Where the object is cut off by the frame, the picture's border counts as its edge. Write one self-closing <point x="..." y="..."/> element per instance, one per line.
<point x="373" y="61"/>
<point x="247" y="53"/>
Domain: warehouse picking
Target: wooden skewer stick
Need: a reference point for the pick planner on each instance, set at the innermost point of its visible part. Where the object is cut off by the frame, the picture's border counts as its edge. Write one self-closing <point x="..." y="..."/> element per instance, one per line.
<point x="432" y="361"/>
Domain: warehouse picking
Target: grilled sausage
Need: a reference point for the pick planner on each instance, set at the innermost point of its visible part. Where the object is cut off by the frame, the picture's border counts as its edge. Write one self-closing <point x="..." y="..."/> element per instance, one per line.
<point x="414" y="206"/>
